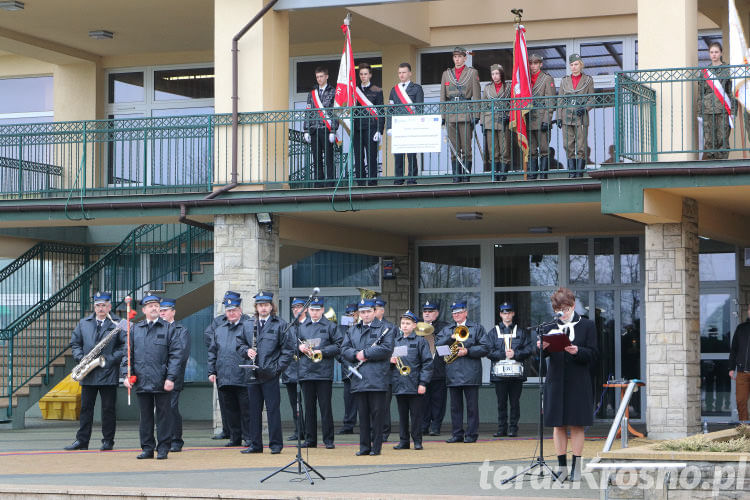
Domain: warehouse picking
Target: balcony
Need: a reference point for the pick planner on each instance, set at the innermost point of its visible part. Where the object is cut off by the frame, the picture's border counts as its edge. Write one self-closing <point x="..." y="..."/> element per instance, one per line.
<point x="650" y="116"/>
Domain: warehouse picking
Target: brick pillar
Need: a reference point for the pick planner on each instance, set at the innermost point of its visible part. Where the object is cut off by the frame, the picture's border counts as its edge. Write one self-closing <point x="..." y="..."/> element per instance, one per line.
<point x="397" y="292"/>
<point x="246" y="260"/>
<point x="672" y="327"/>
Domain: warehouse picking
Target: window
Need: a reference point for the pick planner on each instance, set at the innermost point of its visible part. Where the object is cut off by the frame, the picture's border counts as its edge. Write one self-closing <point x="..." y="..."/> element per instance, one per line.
<point x="336" y="269"/>
<point x="602" y="58"/>
<point x="449" y="266"/>
<point x="526" y="264"/>
<point x="126" y="87"/>
<point x="26" y="100"/>
<point x="178" y="84"/>
<point x="717" y="261"/>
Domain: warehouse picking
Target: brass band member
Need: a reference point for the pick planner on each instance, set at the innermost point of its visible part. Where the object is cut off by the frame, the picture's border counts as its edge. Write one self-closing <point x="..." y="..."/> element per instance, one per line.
<point x="409" y="379"/>
<point x="167" y="312"/>
<point x="350" y="402"/>
<point x="380" y="316"/>
<point x="371" y="343"/>
<point x="289" y="376"/>
<point x="574" y="115"/>
<point x="464" y="375"/>
<point x="102" y="380"/>
<point x="437" y="393"/>
<point x="540" y="117"/>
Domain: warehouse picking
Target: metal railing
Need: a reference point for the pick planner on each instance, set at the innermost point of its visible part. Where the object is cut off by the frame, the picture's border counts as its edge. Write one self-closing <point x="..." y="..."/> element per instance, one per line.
<point x="144" y="260"/>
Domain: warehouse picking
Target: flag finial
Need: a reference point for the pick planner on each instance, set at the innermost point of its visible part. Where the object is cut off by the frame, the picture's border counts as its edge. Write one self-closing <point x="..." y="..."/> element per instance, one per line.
<point x="348" y="19"/>
<point x="518" y="13"/>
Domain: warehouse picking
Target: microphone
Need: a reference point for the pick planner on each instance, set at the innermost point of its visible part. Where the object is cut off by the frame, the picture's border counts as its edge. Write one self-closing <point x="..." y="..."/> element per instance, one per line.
<point x="558" y="315"/>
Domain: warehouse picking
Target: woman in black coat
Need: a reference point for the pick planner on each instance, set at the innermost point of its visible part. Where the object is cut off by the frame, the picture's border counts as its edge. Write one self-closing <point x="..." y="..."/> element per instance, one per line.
<point x="568" y="393"/>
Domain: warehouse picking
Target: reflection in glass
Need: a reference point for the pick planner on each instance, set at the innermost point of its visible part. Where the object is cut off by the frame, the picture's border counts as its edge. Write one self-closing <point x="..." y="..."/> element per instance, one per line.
<point x="717" y="266"/>
<point x="630" y="342"/>
<point x="630" y="265"/>
<point x="578" y="258"/>
<point x="126" y="87"/>
<point x="715" y="387"/>
<point x="602" y="58"/>
<point x="192" y="83"/>
<point x="715" y="316"/>
<point x="604" y="318"/>
<point x="526" y="264"/>
<point x="604" y="260"/>
<point x="336" y="269"/>
<point x="446" y="299"/>
<point x="449" y="266"/>
<point x="26" y="95"/>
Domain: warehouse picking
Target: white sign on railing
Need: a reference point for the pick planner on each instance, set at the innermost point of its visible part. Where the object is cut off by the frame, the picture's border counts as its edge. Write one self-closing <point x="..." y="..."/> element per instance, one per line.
<point x="416" y="134"/>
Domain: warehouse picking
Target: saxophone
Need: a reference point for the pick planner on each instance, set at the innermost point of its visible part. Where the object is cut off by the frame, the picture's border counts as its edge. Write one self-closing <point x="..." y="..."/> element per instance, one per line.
<point x="93" y="358"/>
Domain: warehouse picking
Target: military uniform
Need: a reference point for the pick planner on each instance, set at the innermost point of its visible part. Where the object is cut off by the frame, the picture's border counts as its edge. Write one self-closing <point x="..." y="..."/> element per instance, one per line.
<point x="539" y="120"/>
<point x="183" y="335"/>
<point x="101" y="380"/>
<point x="350" y="403"/>
<point x="416" y="94"/>
<point x="437" y="392"/>
<point x="457" y="85"/>
<point x="575" y="118"/>
<point x="716" y="127"/>
<point x="365" y="127"/>
<point x="497" y="128"/>
<point x="322" y="147"/>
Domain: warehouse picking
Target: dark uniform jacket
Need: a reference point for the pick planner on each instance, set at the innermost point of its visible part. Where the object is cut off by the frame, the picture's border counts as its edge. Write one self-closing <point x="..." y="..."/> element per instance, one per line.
<point x="543" y="109"/>
<point x="708" y="103"/>
<point x="84" y="339"/>
<point x="520" y="343"/>
<point x="500" y="109"/>
<point x="465" y="88"/>
<point x="341" y="331"/>
<point x="218" y="320"/>
<point x="155" y="355"/>
<point x="275" y="349"/>
<point x="364" y="120"/>
<point x="289" y="375"/>
<point x="183" y="334"/>
<point x="418" y="358"/>
<point x="223" y="359"/>
<point x="376" y="370"/>
<point x="438" y="363"/>
<point x="313" y="119"/>
<point x="415" y="93"/>
<point x="571" y="99"/>
<point x="330" y="345"/>
<point x="739" y="353"/>
<point x="466" y="370"/>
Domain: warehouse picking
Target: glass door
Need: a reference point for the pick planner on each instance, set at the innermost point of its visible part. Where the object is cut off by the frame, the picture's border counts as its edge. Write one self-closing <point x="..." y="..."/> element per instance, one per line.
<point x="718" y="319"/>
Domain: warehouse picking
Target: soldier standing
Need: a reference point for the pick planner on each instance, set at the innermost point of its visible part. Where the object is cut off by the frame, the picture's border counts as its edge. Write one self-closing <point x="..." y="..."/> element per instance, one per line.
<point x="540" y="117"/>
<point x="574" y="90"/>
<point x="496" y="123"/>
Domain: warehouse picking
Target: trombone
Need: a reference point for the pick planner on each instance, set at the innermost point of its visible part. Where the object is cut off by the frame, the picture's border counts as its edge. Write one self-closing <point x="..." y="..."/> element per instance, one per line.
<point x="461" y="333"/>
<point x="315" y="356"/>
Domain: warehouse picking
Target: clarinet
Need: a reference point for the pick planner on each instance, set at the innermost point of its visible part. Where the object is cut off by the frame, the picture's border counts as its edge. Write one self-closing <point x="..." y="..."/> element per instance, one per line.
<point x="252" y="366"/>
<point x="354" y="370"/>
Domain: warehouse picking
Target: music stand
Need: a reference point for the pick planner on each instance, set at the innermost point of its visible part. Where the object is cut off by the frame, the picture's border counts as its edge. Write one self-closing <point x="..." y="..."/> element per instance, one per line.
<point x="539" y="460"/>
<point x="302" y="465"/>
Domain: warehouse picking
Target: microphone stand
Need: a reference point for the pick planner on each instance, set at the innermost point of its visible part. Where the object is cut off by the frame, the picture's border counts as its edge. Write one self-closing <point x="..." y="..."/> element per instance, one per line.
<point x="302" y="465"/>
<point x="539" y="460"/>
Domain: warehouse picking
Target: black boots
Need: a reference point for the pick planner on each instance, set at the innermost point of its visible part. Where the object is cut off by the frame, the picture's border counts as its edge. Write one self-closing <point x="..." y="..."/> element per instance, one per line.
<point x="533" y="167"/>
<point x="543" y="166"/>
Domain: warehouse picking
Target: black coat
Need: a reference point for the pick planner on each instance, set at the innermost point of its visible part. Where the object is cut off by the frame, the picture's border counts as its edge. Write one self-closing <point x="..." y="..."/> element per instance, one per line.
<point x="289" y="375"/>
<point x="223" y="359"/>
<point x="84" y="339"/>
<point x="521" y="345"/>
<point x="466" y="370"/>
<point x="155" y="356"/>
<point x="313" y="119"/>
<point x="415" y="93"/>
<point x="739" y="353"/>
<point x="341" y="331"/>
<point x="275" y="348"/>
<point x="568" y="390"/>
<point x="376" y="370"/>
<point x="214" y="324"/>
<point x="418" y="358"/>
<point x="366" y="121"/>
<point x="184" y="335"/>
<point x="330" y="346"/>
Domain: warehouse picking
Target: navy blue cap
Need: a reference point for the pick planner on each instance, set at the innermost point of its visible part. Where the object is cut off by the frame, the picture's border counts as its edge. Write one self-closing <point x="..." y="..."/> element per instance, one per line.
<point x="298" y="301"/>
<point x="317" y="303"/>
<point x="231" y="303"/>
<point x="100" y="297"/>
<point x="366" y="304"/>
<point x="380" y="302"/>
<point x="167" y="303"/>
<point x="262" y="296"/>
<point x="230" y="293"/>
<point x="457" y="305"/>
<point x="350" y="308"/>
<point x="150" y="297"/>
<point x="431" y="306"/>
<point x="505" y="306"/>
<point x="410" y="315"/>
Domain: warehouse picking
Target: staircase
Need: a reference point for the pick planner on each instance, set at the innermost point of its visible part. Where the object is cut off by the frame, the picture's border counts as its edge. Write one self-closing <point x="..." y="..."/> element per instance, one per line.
<point x="34" y="344"/>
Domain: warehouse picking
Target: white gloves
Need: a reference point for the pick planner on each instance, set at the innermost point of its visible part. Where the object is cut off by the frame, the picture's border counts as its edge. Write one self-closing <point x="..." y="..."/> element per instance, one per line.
<point x="331" y="138"/>
<point x="388" y="132"/>
<point x="376" y="137"/>
<point x="308" y="139"/>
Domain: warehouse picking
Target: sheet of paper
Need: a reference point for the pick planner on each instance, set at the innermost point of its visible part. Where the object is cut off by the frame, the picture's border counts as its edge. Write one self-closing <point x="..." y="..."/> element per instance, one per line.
<point x="401" y="351"/>
<point x="416" y="134"/>
<point x="443" y="350"/>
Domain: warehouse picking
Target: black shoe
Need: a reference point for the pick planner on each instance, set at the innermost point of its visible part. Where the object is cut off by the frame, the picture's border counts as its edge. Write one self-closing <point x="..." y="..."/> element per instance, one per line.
<point x="293" y="437"/>
<point x="220" y="435"/>
<point x="373" y="453"/>
<point x="454" y="439"/>
<point x="470" y="440"/>
<point x="345" y="431"/>
<point x="175" y="448"/>
<point x="275" y="451"/>
<point x="145" y="454"/>
<point x="401" y="446"/>
<point x="252" y="450"/>
<point x="362" y="453"/>
<point x="418" y="446"/>
<point x="500" y="433"/>
<point x="308" y="444"/>
<point x="107" y="445"/>
<point x="513" y="433"/>
<point x="434" y="433"/>
<point x="162" y="455"/>
<point x="77" y="445"/>
<point x="233" y="443"/>
<point x="330" y="446"/>
<point x="385" y="438"/>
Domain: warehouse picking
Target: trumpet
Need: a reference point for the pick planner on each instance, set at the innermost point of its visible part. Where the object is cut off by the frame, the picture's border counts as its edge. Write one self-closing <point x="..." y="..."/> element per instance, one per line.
<point x="402" y="368"/>
<point x="315" y="356"/>
<point x="462" y="335"/>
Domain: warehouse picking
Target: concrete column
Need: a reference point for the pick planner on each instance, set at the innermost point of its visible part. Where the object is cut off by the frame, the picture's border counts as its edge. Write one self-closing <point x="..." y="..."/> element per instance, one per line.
<point x="246" y="260"/>
<point x="671" y="44"/>
<point x="672" y="327"/>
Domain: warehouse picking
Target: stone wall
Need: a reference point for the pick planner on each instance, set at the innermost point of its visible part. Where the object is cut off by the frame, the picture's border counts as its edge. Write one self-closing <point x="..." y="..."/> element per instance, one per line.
<point x="672" y="326"/>
<point x="397" y="292"/>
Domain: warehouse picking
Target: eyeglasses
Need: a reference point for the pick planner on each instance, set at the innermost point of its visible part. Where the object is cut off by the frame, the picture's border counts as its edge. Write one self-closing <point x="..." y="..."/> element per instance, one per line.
<point x="564" y="310"/>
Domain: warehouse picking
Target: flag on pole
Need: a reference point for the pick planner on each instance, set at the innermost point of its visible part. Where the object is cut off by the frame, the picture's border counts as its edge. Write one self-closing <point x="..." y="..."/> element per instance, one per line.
<point x="346" y="83"/>
<point x="738" y="54"/>
<point x="520" y="90"/>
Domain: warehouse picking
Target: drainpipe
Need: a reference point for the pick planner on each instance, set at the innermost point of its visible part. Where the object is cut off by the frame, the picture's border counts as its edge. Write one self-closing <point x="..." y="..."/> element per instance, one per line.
<point x="183" y="219"/>
<point x="235" y="98"/>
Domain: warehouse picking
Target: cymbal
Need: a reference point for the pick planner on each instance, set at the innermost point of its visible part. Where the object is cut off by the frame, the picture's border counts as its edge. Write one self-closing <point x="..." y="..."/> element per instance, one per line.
<point x="424" y="329"/>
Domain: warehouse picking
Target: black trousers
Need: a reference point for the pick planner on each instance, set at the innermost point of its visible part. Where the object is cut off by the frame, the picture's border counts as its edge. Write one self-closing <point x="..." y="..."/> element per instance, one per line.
<point x="398" y="161"/>
<point x="434" y="405"/>
<point x="270" y="394"/>
<point x="222" y="411"/>
<point x="318" y="392"/>
<point x="174" y="404"/>
<point x="108" y="396"/>
<point x="387" y="412"/>
<point x="508" y="391"/>
<point x="322" y="151"/>
<point x="371" y="406"/>
<point x="350" y="406"/>
<point x="365" y="149"/>
<point x="410" y="404"/>
<point x="237" y="411"/>
<point x="147" y="402"/>
<point x="299" y="419"/>
<point x="471" y="393"/>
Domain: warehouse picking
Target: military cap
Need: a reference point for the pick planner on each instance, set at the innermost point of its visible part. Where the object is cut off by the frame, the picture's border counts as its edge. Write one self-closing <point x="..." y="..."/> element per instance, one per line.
<point x="298" y="301"/>
<point x="431" y="306"/>
<point x="459" y="50"/>
<point x="458" y="305"/>
<point x="350" y="308"/>
<point x="380" y="302"/>
<point x="536" y="57"/>
<point x="230" y="293"/>
<point x="231" y="303"/>
<point x="262" y="297"/>
<point x="150" y="297"/>
<point x="102" y="297"/>
<point x="366" y="304"/>
<point x="574" y="57"/>
<point x="411" y="316"/>
<point x="496" y="67"/>
<point x="505" y="306"/>
<point x="167" y="303"/>
<point x="317" y="303"/>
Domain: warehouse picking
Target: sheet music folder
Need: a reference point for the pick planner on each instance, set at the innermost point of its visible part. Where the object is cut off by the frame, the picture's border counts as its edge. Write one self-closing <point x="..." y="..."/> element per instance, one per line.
<point x="557" y="341"/>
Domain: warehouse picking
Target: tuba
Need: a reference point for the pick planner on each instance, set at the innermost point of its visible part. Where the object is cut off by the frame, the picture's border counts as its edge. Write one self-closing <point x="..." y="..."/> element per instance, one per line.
<point x="367" y="294"/>
<point x="462" y="335"/>
<point x="330" y="315"/>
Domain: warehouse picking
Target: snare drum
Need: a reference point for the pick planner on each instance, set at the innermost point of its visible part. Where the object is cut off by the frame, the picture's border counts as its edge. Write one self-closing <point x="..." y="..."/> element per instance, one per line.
<point x="507" y="369"/>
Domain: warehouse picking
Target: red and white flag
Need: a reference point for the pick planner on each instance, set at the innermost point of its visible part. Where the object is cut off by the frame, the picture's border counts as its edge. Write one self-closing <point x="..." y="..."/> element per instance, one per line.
<point x="346" y="83"/>
<point x="520" y="90"/>
<point x="738" y="55"/>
